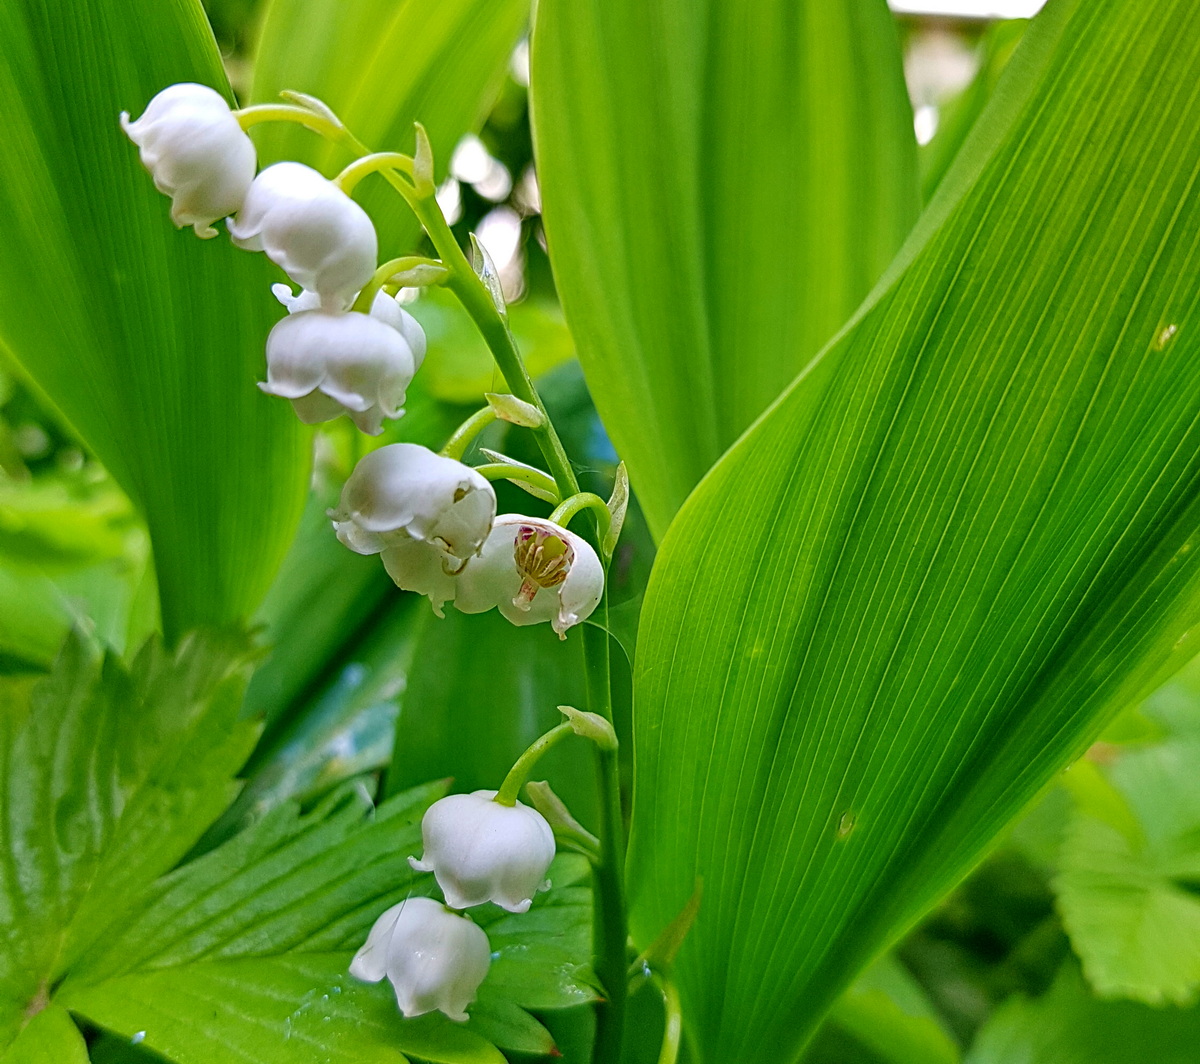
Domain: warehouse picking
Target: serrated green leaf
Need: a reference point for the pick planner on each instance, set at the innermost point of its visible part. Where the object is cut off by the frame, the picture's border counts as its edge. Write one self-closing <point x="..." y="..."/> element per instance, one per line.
<point x="383" y="65"/>
<point x="290" y="883"/>
<point x="250" y="945"/>
<point x="1130" y="899"/>
<point x="146" y="340"/>
<point x="1068" y="1026"/>
<point x="722" y="184"/>
<point x="108" y="777"/>
<point x="540" y="957"/>
<point x="50" y="1037"/>
<point x="256" y="1010"/>
<point x="963" y="538"/>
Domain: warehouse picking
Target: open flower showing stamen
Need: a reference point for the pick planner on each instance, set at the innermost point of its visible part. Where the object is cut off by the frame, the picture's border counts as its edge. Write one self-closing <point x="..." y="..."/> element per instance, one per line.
<point x="332" y="364"/>
<point x="533" y="570"/>
<point x="434" y="958"/>
<point x="197" y="153"/>
<point x="481" y="851"/>
<point x="425" y="513"/>
<point x="321" y="238"/>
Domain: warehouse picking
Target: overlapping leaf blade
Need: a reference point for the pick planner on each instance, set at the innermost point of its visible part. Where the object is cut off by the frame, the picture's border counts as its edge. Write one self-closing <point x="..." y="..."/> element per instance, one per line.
<point x="147" y="340"/>
<point x="914" y="590"/>
<point x="382" y="65"/>
<point x="722" y="184"/>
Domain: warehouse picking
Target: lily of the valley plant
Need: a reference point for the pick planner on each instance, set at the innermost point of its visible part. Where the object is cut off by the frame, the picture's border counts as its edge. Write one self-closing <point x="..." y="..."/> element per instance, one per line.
<point x="849" y="488"/>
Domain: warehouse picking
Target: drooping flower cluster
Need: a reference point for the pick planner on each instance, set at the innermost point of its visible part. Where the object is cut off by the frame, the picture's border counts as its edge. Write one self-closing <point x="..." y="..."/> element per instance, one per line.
<point x="479" y="851"/>
<point x="431" y="518"/>
<point x="325" y="358"/>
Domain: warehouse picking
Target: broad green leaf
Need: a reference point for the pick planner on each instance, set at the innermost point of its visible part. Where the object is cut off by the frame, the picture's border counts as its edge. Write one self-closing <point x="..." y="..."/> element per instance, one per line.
<point x="1129" y="885"/>
<point x="289" y="883"/>
<point x="1068" y="1026"/>
<point x="479" y="691"/>
<point x="887" y="1012"/>
<point x="108" y="777"/>
<point x="382" y="65"/>
<point x="510" y="1027"/>
<point x="256" y="1010"/>
<point x="250" y="945"/>
<point x="964" y="537"/>
<point x="540" y="957"/>
<point x="722" y="183"/>
<point x="146" y="340"/>
<point x="50" y="1037"/>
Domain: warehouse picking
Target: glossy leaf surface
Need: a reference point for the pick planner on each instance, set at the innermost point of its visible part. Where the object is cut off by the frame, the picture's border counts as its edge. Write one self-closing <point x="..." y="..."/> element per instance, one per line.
<point x="722" y="183"/>
<point x="108" y="777"/>
<point x="964" y="536"/>
<point x="146" y="340"/>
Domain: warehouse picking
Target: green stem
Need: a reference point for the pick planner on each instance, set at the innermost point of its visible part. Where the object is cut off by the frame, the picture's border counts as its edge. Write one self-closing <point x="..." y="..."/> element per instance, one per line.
<point x="462" y="436"/>
<point x="584" y="500"/>
<point x="609" y="931"/>
<point x="477" y="302"/>
<point x="375" y="163"/>
<point x="519" y="773"/>
<point x="521" y="473"/>
<point x="282" y="112"/>
<point x="389" y="271"/>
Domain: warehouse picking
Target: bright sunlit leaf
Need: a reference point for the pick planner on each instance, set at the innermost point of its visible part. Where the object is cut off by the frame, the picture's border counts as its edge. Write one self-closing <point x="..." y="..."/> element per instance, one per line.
<point x="962" y="539"/>
<point x="145" y="339"/>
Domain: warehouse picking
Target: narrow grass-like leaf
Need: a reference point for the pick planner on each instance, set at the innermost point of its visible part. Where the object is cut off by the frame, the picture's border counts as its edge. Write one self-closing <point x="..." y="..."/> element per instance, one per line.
<point x="722" y="184"/>
<point x="382" y="65"/>
<point x="922" y="582"/>
<point x="146" y="340"/>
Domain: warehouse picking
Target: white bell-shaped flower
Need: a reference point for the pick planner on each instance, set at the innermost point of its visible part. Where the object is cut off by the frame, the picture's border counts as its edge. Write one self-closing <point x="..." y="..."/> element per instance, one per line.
<point x="197" y="153"/>
<point x="434" y="958"/>
<point x="322" y="239"/>
<point x="384" y="307"/>
<point x="480" y="851"/>
<point x="331" y="364"/>
<point x="427" y="514"/>
<point x="533" y="570"/>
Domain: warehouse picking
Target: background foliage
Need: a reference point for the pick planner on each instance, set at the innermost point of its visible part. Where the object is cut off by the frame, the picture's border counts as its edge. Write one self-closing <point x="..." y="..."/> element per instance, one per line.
<point x="978" y="513"/>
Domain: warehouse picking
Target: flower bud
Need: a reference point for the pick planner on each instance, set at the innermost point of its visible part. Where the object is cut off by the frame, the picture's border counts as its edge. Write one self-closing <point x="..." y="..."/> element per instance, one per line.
<point x="384" y="307"/>
<point x="480" y="851"/>
<point x="434" y="958"/>
<point x="533" y="570"/>
<point x="330" y="364"/>
<point x="321" y="238"/>
<point x="427" y="514"/>
<point x="197" y="153"/>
